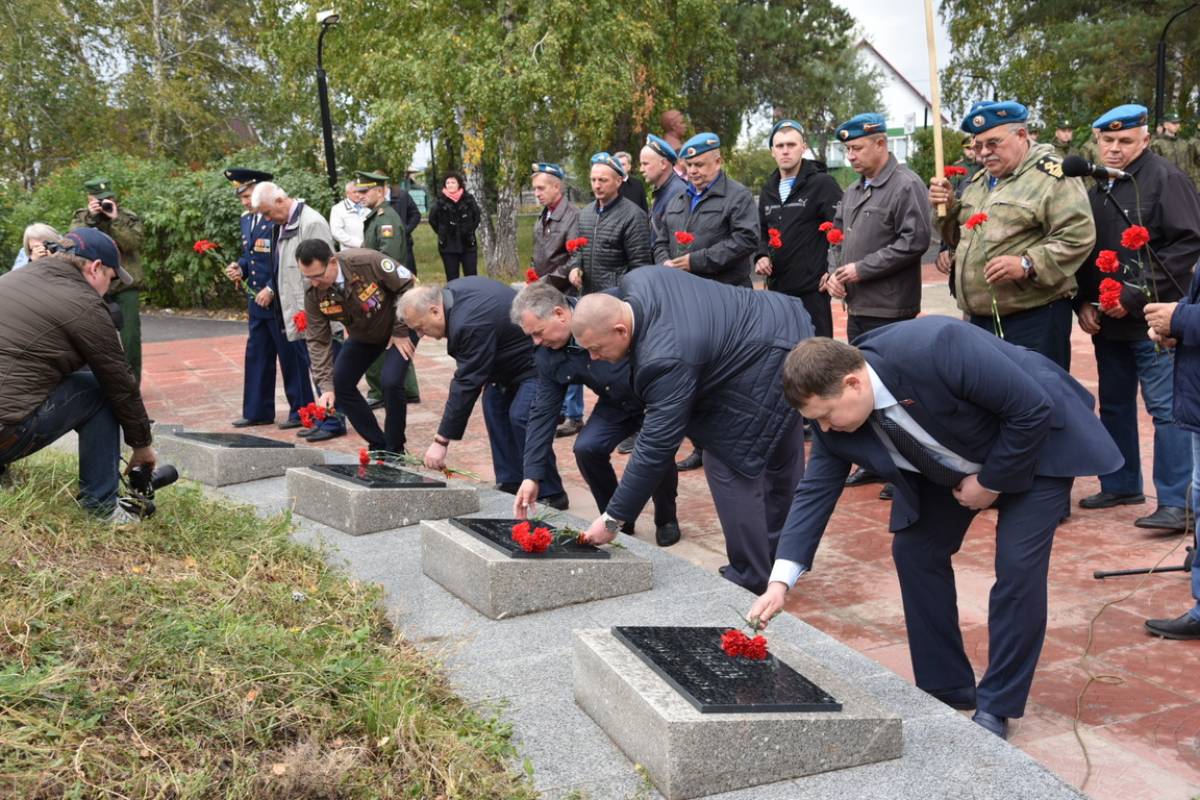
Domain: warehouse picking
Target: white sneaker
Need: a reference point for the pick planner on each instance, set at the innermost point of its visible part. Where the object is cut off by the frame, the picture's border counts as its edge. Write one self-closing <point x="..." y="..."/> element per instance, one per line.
<point x="122" y="517"/>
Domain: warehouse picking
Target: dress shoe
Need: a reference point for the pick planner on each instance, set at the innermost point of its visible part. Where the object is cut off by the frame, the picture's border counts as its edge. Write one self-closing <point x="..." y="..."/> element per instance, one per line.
<point x="693" y="461"/>
<point x="667" y="534"/>
<point x="1182" y="627"/>
<point x="991" y="723"/>
<point x="559" y="502"/>
<point x="1167" y="518"/>
<point x="287" y="425"/>
<point x="568" y="428"/>
<point x="962" y="699"/>
<point x="626" y="445"/>
<point x="1108" y="500"/>
<point x="507" y="488"/>
<point x="375" y="402"/>
<point x="321" y="435"/>
<point x="250" y="423"/>
<point x="887" y="492"/>
<point x="304" y="433"/>
<point x="863" y="476"/>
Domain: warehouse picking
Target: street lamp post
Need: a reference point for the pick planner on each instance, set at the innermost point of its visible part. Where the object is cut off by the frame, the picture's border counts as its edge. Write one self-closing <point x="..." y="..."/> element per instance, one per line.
<point x="327" y="19"/>
<point x="1160" y="67"/>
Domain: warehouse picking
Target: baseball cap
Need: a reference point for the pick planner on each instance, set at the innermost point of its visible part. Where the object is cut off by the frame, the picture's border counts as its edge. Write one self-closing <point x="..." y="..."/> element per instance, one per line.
<point x="92" y="244"/>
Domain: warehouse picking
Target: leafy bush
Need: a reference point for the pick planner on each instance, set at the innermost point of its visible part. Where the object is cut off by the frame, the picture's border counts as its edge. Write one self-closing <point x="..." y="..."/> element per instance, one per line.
<point x="921" y="161"/>
<point x="178" y="205"/>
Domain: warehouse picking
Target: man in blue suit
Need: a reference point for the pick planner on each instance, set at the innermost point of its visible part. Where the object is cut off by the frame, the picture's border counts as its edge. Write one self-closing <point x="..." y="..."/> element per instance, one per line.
<point x="959" y="420"/>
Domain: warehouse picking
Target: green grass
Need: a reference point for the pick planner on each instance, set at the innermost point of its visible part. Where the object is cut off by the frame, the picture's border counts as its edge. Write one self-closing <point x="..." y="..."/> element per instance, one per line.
<point x="429" y="263"/>
<point x="172" y="659"/>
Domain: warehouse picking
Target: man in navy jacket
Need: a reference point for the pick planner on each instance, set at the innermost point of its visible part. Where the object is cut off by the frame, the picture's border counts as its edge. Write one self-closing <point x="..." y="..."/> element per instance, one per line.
<point x="545" y="313"/>
<point x="705" y="359"/>
<point x="959" y="420"/>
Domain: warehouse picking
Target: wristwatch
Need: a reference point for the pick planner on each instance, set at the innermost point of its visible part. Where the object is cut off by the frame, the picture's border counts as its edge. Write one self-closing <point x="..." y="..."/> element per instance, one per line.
<point x="1027" y="265"/>
<point x="612" y="525"/>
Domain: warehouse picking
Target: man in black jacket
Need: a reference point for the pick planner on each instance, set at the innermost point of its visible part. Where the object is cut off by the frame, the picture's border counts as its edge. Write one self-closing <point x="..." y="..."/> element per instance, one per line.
<point x="705" y="360"/>
<point x="492" y="356"/>
<point x="1164" y="201"/>
<point x="795" y="201"/>
<point x="617" y="232"/>
<point x="544" y="313"/>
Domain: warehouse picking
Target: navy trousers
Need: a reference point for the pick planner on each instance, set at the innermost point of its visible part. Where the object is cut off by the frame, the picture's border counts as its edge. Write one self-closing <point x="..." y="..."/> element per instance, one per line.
<point x="1016" y="607"/>
<point x="352" y="362"/>
<point x="267" y="343"/>
<point x="593" y="455"/>
<point x="752" y="510"/>
<point x="1045" y="330"/>
<point x="506" y="415"/>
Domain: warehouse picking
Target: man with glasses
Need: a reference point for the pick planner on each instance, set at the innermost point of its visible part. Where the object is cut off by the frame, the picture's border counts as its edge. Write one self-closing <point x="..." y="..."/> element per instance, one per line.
<point x="1020" y="232"/>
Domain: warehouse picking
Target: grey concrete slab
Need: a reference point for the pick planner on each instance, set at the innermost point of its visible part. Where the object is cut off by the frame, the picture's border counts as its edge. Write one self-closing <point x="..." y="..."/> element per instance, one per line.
<point x="215" y="465"/>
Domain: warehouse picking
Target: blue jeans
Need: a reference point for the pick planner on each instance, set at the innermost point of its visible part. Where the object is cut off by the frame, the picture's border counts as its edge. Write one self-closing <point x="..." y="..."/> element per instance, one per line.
<point x="1122" y="366"/>
<point x="1195" y="612"/>
<point x="506" y="416"/>
<point x="76" y="404"/>
<point x="572" y="407"/>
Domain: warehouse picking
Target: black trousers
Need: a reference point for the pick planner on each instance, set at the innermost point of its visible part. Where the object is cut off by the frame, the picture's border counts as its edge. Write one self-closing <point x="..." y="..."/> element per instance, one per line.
<point x="468" y="261"/>
<point x="351" y="364"/>
<point x="1045" y="330"/>
<point x="593" y="455"/>
<point x="820" y="311"/>
<point x="857" y="325"/>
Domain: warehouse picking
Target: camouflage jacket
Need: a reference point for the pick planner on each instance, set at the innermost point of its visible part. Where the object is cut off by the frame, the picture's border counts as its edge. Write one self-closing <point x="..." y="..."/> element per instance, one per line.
<point x="126" y="231"/>
<point x="1035" y="212"/>
<point x="1176" y="150"/>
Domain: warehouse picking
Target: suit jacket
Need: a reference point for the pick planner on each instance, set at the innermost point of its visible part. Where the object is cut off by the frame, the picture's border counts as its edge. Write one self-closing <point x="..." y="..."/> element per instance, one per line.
<point x="1010" y="409"/>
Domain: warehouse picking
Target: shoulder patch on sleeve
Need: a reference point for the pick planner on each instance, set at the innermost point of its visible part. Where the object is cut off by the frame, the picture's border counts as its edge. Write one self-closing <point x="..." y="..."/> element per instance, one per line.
<point x="1051" y="165"/>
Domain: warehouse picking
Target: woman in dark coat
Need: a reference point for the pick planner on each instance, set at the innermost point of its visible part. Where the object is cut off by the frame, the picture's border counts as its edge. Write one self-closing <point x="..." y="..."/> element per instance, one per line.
<point x="454" y="216"/>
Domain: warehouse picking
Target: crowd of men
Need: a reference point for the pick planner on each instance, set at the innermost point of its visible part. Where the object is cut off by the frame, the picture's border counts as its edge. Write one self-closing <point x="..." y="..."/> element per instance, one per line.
<point x="652" y="307"/>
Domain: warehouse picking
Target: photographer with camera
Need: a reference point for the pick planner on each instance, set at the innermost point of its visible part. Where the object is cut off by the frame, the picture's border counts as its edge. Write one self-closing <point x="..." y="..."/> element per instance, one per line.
<point x="124" y="228"/>
<point x="62" y="368"/>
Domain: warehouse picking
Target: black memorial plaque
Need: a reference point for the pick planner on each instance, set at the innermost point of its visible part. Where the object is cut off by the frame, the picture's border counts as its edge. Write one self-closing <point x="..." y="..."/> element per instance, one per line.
<point x="692" y="661"/>
<point x="236" y="440"/>
<point x="498" y="534"/>
<point x="379" y="476"/>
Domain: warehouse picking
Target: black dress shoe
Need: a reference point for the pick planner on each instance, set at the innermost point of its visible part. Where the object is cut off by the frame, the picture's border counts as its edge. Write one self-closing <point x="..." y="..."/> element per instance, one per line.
<point x="1109" y="499"/>
<point x="558" y="501"/>
<point x="626" y="445"/>
<point x="693" y="461"/>
<point x="863" y="476"/>
<point x="962" y="699"/>
<point x="568" y="428"/>
<point x="304" y="433"/>
<point x="507" y="488"/>
<point x="887" y="492"/>
<point x="250" y="423"/>
<point x="1167" y="518"/>
<point x="667" y="534"/>
<point x="321" y="435"/>
<point x="1182" y="627"/>
<point x="287" y="425"/>
<point x="992" y="723"/>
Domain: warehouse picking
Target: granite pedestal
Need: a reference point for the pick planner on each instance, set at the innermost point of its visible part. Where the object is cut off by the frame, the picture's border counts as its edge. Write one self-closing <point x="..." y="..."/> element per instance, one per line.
<point x="220" y="459"/>
<point x="354" y="507"/>
<point x="498" y="585"/>
<point x="688" y="753"/>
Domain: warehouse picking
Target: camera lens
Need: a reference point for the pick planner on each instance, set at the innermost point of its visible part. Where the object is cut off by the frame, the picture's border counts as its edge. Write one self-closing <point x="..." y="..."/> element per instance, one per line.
<point x="164" y="476"/>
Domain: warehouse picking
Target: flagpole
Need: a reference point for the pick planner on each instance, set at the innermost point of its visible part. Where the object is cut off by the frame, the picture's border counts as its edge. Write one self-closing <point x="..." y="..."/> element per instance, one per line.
<point x="935" y="92"/>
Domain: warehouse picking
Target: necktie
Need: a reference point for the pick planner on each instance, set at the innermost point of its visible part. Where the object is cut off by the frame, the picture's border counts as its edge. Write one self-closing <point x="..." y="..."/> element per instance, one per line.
<point x="918" y="454"/>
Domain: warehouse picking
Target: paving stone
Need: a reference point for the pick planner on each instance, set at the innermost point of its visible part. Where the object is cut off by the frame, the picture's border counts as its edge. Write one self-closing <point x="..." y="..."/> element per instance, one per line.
<point x="215" y="465"/>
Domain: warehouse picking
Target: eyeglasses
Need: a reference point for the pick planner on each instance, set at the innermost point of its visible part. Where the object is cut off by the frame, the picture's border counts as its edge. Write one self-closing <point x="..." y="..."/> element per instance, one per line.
<point x="989" y="144"/>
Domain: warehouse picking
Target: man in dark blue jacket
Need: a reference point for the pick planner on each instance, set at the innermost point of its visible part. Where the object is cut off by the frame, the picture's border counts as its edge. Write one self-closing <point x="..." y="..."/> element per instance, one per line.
<point x="983" y="423"/>
<point x="492" y="356"/>
<point x="267" y="340"/>
<point x="544" y="313"/>
<point x="705" y="360"/>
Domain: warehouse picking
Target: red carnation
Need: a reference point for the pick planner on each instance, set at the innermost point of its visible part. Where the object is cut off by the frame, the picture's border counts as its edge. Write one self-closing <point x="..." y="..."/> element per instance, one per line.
<point x="319" y="412"/>
<point x="1107" y="261"/>
<point x="531" y="275"/>
<point x="576" y="244"/>
<point x="540" y="540"/>
<point x="204" y="245"/>
<point x="953" y="171"/>
<point x="300" y="320"/>
<point x="733" y="642"/>
<point x="975" y="220"/>
<point x="1110" y="294"/>
<point x="774" y="238"/>
<point x="835" y="236"/>
<point x="684" y="238"/>
<point x="825" y="226"/>
<point x="1135" y="237"/>
<point x="364" y="457"/>
<point x="306" y="418"/>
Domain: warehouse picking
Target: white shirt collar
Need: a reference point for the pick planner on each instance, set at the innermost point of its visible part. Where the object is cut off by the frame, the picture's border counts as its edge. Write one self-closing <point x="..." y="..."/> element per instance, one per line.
<point x="883" y="396"/>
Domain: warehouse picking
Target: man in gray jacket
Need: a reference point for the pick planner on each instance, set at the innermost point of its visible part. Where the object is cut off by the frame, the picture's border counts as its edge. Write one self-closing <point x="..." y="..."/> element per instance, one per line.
<point x="616" y="231"/>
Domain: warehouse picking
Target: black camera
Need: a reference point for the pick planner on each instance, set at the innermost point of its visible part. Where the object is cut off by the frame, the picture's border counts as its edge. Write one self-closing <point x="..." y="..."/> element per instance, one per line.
<point x="142" y="482"/>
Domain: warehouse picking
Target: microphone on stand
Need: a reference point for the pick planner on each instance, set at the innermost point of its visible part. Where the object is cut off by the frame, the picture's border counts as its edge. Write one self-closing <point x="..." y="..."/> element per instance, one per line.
<point x="1079" y="167"/>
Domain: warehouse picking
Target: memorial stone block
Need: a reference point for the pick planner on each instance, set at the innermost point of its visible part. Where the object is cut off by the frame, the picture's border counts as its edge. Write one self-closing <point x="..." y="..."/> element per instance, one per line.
<point x="702" y="722"/>
<point x="220" y="459"/>
<point x="476" y="560"/>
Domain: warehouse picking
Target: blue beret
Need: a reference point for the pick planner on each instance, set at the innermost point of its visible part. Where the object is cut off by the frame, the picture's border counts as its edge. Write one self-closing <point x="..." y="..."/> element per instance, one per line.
<point x="985" y="116"/>
<point x="1122" y="118"/>
<point x="860" y="126"/>
<point x="700" y="143"/>
<point x="549" y="169"/>
<point x="784" y="123"/>
<point x="662" y="147"/>
<point x="609" y="161"/>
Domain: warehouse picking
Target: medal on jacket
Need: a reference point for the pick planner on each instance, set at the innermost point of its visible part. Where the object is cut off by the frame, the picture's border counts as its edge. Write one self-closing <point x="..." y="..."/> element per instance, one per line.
<point x="369" y="297"/>
<point x="262" y="245"/>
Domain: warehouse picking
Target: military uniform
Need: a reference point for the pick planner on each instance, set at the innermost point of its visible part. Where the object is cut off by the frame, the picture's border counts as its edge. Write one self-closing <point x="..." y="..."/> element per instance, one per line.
<point x="1036" y="213"/>
<point x="1180" y="152"/>
<point x="126" y="231"/>
<point x="363" y="299"/>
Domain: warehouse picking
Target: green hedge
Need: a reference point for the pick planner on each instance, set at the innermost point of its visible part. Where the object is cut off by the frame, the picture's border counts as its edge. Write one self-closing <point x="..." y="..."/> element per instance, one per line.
<point x="178" y="205"/>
